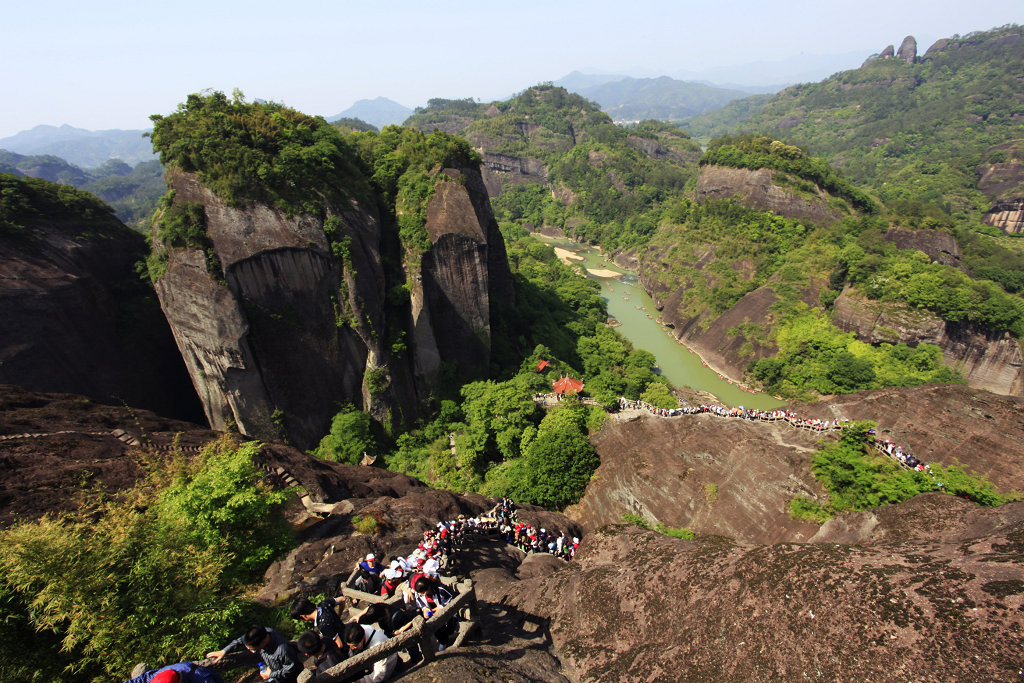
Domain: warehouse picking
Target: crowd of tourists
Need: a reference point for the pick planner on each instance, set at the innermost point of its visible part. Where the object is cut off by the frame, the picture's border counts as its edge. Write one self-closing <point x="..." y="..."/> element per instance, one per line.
<point x="531" y="539"/>
<point x="417" y="576"/>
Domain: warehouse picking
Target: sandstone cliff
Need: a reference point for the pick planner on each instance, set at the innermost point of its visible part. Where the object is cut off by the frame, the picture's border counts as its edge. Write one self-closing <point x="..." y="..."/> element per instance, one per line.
<point x="295" y="327"/>
<point x="988" y="360"/>
<point x="634" y="605"/>
<point x="762" y="189"/>
<point x="711" y="475"/>
<point x="1001" y="178"/>
<point x="940" y="247"/>
<point x="76" y="317"/>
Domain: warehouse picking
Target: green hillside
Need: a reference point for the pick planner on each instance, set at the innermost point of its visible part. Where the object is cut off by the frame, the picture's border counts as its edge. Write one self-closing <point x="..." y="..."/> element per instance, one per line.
<point x="908" y="131"/>
<point x="603" y="183"/>
<point x="131" y="192"/>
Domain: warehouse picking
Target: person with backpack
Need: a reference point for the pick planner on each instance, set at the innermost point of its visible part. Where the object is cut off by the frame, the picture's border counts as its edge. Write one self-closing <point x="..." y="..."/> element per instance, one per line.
<point x="324" y="652"/>
<point x="431" y="596"/>
<point x="281" y="659"/>
<point x="324" y="617"/>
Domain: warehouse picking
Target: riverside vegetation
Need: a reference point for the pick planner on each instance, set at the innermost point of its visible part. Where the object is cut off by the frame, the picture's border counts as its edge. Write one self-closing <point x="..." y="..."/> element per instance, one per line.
<point x="787" y="255"/>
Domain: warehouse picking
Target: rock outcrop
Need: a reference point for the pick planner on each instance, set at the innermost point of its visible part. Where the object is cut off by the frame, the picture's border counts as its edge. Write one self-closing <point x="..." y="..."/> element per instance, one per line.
<point x="502" y="170"/>
<point x="940" y="247"/>
<point x="761" y="190"/>
<point x="988" y="360"/>
<point x="908" y="50"/>
<point x="1001" y="178"/>
<point x="947" y="424"/>
<point x="294" y="327"/>
<point x="76" y="317"/>
<point x="1007" y="215"/>
<point x="701" y="472"/>
<point x="634" y="605"/>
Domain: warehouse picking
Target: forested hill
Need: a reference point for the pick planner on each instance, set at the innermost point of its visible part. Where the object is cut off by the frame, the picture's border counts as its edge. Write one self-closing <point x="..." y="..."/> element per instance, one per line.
<point x="553" y="157"/>
<point x="131" y="192"/>
<point x="915" y="130"/>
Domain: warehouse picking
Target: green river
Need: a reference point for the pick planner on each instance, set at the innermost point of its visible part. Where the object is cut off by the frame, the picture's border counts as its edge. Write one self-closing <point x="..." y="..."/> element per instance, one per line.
<point x="630" y="305"/>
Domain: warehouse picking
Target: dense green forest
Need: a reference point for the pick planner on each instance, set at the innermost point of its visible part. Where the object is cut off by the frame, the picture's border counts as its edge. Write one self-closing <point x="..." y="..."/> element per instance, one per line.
<point x="699" y="249"/>
<point x="26" y="201"/>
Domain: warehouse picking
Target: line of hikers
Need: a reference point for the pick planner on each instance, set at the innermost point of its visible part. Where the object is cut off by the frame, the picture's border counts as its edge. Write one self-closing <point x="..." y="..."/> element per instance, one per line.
<point x="888" y="448"/>
<point x="330" y="640"/>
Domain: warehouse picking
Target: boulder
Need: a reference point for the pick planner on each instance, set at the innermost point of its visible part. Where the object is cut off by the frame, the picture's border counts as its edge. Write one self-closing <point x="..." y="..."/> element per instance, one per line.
<point x="908" y="50"/>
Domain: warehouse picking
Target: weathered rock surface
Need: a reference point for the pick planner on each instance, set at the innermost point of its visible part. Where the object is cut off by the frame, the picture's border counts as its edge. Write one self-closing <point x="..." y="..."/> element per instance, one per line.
<point x="908" y="50"/>
<point x="760" y="190"/>
<point x="930" y="589"/>
<point x="988" y="360"/>
<point x="77" y="449"/>
<point x="943" y="423"/>
<point x="940" y="247"/>
<point x="1003" y="182"/>
<point x="501" y="170"/>
<point x="293" y="330"/>
<point x="76" y="317"/>
<point x="635" y="605"/>
<point x="724" y="477"/>
<point x="1007" y="215"/>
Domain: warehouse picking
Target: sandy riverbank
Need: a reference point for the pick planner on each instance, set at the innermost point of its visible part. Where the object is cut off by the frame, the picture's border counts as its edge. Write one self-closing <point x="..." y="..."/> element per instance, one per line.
<point x="603" y="273"/>
<point x="566" y="256"/>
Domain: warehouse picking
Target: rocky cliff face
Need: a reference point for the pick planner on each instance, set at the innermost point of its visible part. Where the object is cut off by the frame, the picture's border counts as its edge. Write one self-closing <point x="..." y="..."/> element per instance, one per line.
<point x="761" y="190"/>
<point x="294" y="329"/>
<point x="988" y="360"/>
<point x="503" y="170"/>
<point x="940" y="247"/>
<point x="1002" y="181"/>
<point x="705" y="473"/>
<point x="463" y="270"/>
<point x="76" y="317"/>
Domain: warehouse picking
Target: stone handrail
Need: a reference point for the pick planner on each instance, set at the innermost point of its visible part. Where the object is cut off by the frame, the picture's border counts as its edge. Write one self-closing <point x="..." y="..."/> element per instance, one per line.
<point x="421" y="635"/>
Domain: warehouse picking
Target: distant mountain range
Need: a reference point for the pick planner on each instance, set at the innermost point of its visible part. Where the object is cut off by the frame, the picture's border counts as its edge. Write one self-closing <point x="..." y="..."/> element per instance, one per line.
<point x="81" y="147"/>
<point x="379" y="112"/>
<point x="636" y="99"/>
<point x="132" y="192"/>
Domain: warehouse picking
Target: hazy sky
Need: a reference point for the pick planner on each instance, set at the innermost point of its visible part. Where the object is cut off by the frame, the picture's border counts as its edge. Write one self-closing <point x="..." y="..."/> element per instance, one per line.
<point x="106" y="64"/>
